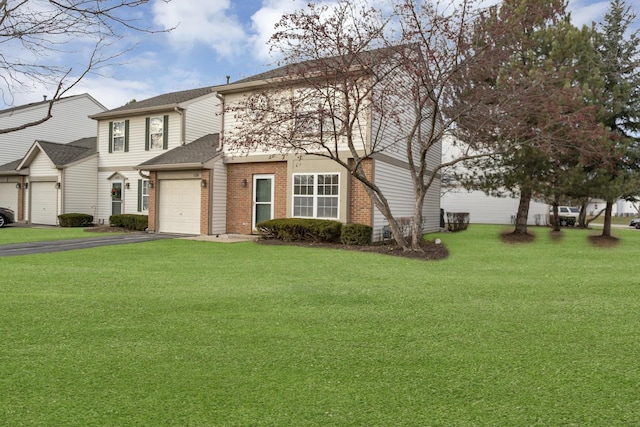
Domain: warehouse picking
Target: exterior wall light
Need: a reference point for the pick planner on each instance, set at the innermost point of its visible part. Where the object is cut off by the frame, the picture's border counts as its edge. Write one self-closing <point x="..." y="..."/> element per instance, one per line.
<point x="127" y="185"/>
<point x="58" y="185"/>
<point x="18" y="185"/>
<point x="203" y="183"/>
<point x="244" y="182"/>
<point x="26" y="185"/>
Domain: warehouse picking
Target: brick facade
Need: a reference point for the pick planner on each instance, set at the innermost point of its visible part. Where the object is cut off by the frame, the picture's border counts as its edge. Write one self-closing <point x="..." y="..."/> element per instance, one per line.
<point x="240" y="197"/>
<point x="360" y="204"/>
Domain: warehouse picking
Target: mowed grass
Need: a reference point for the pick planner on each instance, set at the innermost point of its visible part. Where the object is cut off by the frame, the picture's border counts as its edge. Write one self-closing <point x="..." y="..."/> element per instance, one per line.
<point x="22" y="234"/>
<point x="189" y="333"/>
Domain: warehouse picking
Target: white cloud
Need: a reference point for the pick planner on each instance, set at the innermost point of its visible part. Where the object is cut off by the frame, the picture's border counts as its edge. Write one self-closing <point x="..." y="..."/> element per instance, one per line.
<point x="585" y="14"/>
<point x="201" y="21"/>
<point x="263" y="22"/>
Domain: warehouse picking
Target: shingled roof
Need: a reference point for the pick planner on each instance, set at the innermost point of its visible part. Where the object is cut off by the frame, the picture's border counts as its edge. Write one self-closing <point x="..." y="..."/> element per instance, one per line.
<point x="63" y="154"/>
<point x="10" y="168"/>
<point x="192" y="155"/>
<point x="364" y="59"/>
<point x="167" y="100"/>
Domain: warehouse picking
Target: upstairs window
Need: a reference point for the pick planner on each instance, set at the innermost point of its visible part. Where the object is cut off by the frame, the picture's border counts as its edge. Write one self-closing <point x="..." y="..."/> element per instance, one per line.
<point x="156" y="134"/>
<point x="316" y="195"/>
<point x="316" y="113"/>
<point x="119" y="136"/>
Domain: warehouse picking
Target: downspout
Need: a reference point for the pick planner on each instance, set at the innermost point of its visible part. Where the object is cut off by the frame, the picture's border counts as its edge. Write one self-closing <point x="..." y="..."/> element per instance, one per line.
<point x="222" y="106"/>
<point x="182" y="124"/>
<point x="60" y="192"/>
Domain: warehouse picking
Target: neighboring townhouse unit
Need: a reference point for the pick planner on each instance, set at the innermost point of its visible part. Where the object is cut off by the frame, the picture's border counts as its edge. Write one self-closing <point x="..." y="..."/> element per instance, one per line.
<point x="483" y="208"/>
<point x="57" y="179"/>
<point x="264" y="183"/>
<point x="137" y="133"/>
<point x="69" y="122"/>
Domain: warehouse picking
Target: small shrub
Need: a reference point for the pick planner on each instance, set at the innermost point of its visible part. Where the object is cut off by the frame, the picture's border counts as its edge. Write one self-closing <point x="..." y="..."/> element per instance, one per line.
<point x="130" y="221"/>
<point x="75" y="220"/>
<point x="356" y="234"/>
<point x="306" y="229"/>
<point x="457" y="221"/>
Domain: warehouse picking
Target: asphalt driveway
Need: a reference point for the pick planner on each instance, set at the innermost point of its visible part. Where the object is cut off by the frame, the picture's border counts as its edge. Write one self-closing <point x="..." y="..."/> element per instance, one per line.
<point x="90" y="242"/>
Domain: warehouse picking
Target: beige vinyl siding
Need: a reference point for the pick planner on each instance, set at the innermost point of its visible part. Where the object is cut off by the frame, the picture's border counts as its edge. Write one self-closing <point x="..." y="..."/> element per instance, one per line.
<point x="70" y="122"/>
<point x="391" y="137"/>
<point x="219" y="198"/>
<point x="129" y="195"/>
<point x="137" y="153"/>
<point x="202" y="117"/>
<point x="485" y="209"/>
<point x="233" y="120"/>
<point x="79" y="184"/>
<point x="41" y="166"/>
<point x="395" y="182"/>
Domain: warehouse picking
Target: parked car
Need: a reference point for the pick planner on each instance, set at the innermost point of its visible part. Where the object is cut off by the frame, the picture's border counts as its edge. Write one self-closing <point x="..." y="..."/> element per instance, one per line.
<point x="634" y="222"/>
<point x="7" y="216"/>
<point x="568" y="215"/>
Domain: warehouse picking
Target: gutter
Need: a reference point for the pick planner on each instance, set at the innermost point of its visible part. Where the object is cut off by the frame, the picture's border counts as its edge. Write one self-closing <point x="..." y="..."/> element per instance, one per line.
<point x="222" y="106"/>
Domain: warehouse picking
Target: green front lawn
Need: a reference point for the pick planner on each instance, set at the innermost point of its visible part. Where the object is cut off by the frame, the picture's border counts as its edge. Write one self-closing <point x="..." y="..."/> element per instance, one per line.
<point x="20" y="234"/>
<point x="178" y="333"/>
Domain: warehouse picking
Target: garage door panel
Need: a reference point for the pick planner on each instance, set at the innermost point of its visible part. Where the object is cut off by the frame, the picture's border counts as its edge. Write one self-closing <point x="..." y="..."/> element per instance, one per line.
<point x="179" y="206"/>
<point x="44" y="200"/>
<point x="9" y="196"/>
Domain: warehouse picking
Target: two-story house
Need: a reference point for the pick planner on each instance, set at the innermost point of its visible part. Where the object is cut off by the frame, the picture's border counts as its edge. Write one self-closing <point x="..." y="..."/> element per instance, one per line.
<point x="69" y="122"/>
<point x="169" y="128"/>
<point x="267" y="182"/>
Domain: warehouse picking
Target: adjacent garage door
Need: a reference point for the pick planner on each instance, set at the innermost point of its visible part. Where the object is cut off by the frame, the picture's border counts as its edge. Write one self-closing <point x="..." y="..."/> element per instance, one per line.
<point x="179" y="206"/>
<point x="9" y="196"/>
<point x="44" y="197"/>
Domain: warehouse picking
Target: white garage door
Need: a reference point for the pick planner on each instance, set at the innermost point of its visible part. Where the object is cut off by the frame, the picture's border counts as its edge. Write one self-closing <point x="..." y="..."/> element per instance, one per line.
<point x="44" y="196"/>
<point x="9" y="196"/>
<point x="179" y="206"/>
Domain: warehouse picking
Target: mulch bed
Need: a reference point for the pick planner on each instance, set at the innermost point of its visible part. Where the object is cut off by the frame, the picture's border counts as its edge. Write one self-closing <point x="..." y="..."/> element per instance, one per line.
<point x="430" y="251"/>
<point x="603" y="241"/>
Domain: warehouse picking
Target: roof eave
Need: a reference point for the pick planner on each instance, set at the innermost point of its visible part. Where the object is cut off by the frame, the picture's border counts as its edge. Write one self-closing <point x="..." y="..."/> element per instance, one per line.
<point x="134" y="111"/>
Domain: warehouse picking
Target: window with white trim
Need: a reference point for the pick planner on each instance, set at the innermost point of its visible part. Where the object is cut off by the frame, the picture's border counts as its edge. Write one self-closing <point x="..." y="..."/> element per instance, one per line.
<point x="316" y="195"/>
<point x="144" y="197"/>
<point x="118" y="136"/>
<point x="156" y="132"/>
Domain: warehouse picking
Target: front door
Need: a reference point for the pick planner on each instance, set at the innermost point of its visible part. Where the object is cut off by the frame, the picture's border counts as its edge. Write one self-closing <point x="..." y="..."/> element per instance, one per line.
<point x="116" y="197"/>
<point x="262" y="198"/>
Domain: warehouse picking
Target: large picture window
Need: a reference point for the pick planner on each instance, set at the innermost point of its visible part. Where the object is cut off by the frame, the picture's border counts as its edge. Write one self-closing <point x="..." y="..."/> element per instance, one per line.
<point x="316" y="195"/>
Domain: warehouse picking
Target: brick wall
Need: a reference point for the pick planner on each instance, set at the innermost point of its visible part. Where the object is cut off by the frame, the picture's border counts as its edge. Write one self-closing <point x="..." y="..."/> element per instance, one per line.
<point x="240" y="198"/>
<point x="21" y="191"/>
<point x="360" y="204"/>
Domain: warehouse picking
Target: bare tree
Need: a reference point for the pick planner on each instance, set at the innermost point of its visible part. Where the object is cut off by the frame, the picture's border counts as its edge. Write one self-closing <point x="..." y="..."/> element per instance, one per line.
<point x="33" y="34"/>
<point x="360" y="82"/>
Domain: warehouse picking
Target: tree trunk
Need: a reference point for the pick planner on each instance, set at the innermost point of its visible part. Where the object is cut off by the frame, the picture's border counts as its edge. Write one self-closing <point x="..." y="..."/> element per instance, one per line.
<point x="416" y="226"/>
<point x="555" y="220"/>
<point x="606" y="229"/>
<point x="523" y="212"/>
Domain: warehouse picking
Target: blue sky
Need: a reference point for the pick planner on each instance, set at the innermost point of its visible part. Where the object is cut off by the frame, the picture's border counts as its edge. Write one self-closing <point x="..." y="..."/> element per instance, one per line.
<point x="213" y="39"/>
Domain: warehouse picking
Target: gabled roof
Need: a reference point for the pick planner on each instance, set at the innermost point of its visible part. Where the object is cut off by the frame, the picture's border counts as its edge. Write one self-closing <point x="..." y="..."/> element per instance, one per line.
<point x="194" y="155"/>
<point x="323" y="66"/>
<point x="47" y="101"/>
<point x="10" y="168"/>
<point x="61" y="155"/>
<point x="167" y="101"/>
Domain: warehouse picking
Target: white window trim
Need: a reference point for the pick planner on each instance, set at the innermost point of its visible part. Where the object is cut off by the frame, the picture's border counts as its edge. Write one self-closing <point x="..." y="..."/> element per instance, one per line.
<point x="161" y="133"/>
<point x="113" y="136"/>
<point x="315" y="195"/>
